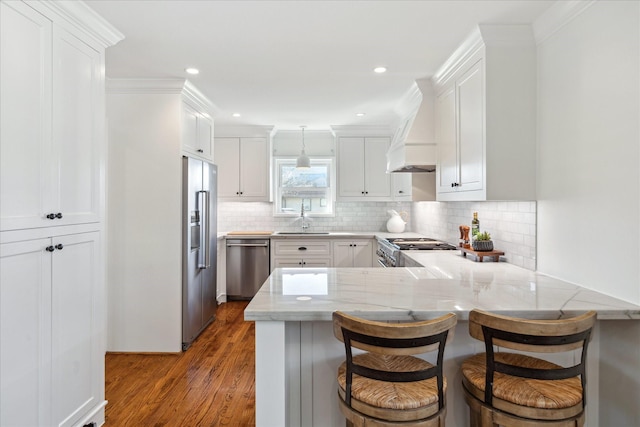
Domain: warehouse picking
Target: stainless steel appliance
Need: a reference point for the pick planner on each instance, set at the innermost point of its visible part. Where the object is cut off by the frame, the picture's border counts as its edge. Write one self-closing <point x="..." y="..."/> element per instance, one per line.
<point x="199" y="243"/>
<point x="389" y="249"/>
<point x="247" y="267"/>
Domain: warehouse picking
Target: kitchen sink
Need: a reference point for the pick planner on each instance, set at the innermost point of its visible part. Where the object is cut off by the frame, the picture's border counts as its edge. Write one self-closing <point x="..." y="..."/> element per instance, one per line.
<point x="302" y="233"/>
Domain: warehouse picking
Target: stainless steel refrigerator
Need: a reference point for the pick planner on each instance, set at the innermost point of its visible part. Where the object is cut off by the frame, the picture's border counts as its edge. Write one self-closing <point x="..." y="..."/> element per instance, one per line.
<point x="199" y="247"/>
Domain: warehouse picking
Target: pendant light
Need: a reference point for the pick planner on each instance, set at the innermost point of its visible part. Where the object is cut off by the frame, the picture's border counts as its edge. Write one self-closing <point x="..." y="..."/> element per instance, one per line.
<point x="303" y="162"/>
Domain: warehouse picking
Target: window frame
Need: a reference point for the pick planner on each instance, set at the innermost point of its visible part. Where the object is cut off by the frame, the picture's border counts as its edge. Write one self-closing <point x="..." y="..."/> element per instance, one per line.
<point x="277" y="195"/>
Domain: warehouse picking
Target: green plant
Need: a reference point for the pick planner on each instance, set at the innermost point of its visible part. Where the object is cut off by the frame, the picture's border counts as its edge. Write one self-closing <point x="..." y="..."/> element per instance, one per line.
<point x="483" y="236"/>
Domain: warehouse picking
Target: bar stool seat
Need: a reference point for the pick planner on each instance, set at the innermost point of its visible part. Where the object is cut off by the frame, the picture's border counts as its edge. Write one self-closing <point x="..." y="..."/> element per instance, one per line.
<point x="515" y="389"/>
<point x="397" y="401"/>
<point x="387" y="385"/>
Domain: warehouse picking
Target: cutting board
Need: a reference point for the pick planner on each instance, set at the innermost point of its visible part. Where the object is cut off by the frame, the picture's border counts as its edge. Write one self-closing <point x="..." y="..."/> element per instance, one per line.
<point x="249" y="233"/>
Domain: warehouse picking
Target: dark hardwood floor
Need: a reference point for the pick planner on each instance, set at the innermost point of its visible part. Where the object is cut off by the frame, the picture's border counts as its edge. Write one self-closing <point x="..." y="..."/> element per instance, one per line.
<point x="211" y="384"/>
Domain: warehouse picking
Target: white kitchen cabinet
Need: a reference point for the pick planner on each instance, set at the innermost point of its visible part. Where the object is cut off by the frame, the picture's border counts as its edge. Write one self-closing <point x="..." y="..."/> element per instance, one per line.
<point x="353" y="253"/>
<point x="52" y="353"/>
<point x="402" y="188"/>
<point x="485" y="117"/>
<point x="52" y="145"/>
<point x="51" y="83"/>
<point x="300" y="253"/>
<point x="197" y="132"/>
<point x="460" y="112"/>
<point x="243" y="168"/>
<point x="362" y="165"/>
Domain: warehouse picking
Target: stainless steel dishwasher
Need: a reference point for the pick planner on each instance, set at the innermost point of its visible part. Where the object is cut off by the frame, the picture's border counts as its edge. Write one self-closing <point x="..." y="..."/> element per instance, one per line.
<point x="247" y="267"/>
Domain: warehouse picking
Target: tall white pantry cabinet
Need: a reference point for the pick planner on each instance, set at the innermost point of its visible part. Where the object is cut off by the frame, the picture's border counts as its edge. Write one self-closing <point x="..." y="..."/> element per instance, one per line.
<point x="52" y="145"/>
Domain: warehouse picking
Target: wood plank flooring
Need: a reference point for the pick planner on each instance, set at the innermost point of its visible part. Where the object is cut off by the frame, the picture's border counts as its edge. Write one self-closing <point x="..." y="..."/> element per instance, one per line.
<point x="211" y="384"/>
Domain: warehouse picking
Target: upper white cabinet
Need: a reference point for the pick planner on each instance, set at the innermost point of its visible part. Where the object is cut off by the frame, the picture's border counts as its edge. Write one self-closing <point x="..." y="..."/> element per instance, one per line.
<point x="485" y="117"/>
<point x="362" y="166"/>
<point x="197" y="131"/>
<point x="52" y="147"/>
<point x="49" y="151"/>
<point x="243" y="168"/>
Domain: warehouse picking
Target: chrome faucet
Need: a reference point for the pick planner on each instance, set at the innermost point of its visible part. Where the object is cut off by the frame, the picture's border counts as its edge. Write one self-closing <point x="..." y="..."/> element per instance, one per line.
<point x="305" y="224"/>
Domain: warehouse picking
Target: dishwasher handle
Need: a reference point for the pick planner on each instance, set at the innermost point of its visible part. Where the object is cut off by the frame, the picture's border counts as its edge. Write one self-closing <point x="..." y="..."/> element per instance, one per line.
<point x="249" y="245"/>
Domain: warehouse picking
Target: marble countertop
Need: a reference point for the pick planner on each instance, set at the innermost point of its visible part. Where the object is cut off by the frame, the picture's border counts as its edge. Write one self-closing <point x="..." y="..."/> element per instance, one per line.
<point x="449" y="283"/>
<point x="330" y="234"/>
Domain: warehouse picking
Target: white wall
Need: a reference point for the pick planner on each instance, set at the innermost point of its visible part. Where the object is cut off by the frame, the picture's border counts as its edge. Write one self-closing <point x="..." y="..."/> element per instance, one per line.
<point x="144" y="261"/>
<point x="588" y="149"/>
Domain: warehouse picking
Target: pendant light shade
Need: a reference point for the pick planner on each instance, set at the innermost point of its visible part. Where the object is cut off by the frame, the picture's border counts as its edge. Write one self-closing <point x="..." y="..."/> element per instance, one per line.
<point x="303" y="161"/>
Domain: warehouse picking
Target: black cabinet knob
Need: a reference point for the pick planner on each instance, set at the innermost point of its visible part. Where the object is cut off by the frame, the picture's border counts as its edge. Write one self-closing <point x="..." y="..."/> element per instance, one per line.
<point x="49" y="248"/>
<point x="200" y="150"/>
<point x="302" y="248"/>
<point x="400" y="191"/>
<point x="366" y="192"/>
<point x="51" y="216"/>
<point x="363" y="192"/>
<point x="59" y="215"/>
<point x="59" y="246"/>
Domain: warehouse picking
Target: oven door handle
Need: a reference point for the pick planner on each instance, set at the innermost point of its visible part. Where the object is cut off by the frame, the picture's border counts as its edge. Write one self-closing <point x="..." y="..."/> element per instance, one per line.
<point x="382" y="264"/>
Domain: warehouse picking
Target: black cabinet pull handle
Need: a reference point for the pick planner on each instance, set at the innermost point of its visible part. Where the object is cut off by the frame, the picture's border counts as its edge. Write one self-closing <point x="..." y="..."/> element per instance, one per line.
<point x="200" y="150"/>
<point x="302" y="248"/>
<point x="59" y="215"/>
<point x="49" y="248"/>
<point x="59" y="246"/>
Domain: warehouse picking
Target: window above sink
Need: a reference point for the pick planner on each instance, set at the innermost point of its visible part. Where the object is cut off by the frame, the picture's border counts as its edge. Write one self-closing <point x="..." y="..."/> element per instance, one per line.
<point x="312" y="188"/>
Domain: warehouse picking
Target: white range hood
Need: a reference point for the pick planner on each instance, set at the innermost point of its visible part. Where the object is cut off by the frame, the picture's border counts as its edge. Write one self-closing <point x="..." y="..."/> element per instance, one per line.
<point x="413" y="148"/>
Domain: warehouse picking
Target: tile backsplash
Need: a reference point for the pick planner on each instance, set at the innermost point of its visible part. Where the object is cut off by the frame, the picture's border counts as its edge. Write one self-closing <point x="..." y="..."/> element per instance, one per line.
<point x="512" y="224"/>
<point x="350" y="216"/>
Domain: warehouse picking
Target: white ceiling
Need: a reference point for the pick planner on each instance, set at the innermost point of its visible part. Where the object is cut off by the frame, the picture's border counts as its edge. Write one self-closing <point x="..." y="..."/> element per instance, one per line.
<point x="292" y="63"/>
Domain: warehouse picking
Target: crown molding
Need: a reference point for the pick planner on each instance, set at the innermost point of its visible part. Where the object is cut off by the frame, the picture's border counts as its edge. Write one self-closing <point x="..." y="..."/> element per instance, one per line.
<point x="362" y="130"/>
<point x="82" y="17"/>
<point x="148" y="86"/>
<point x="557" y="16"/>
<point x="240" y="131"/>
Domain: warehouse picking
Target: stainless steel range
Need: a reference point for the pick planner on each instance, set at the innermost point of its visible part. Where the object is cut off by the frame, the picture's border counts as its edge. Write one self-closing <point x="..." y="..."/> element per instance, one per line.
<point x="389" y="249"/>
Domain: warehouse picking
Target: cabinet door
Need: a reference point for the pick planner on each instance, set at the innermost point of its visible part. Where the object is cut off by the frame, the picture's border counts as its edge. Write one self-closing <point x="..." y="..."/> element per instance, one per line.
<point x="351" y="167"/>
<point x="25" y="333"/>
<point x="205" y="137"/>
<point x="227" y="155"/>
<point x="362" y="253"/>
<point x="25" y="116"/>
<point x="377" y="180"/>
<point x="78" y="370"/>
<point x="401" y="184"/>
<point x="471" y="127"/>
<point x="342" y="254"/>
<point x="76" y="134"/>
<point x="189" y="129"/>
<point x="447" y="172"/>
<point x="254" y="169"/>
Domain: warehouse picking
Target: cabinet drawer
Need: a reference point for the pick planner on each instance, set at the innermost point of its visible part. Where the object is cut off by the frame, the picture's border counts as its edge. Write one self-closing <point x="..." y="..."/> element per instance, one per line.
<point x="302" y="247"/>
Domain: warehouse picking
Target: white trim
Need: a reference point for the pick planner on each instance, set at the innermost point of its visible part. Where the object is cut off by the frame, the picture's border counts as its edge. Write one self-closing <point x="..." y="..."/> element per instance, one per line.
<point x="472" y="43"/>
<point x="84" y="18"/>
<point x="557" y="16"/>
<point x="149" y="86"/>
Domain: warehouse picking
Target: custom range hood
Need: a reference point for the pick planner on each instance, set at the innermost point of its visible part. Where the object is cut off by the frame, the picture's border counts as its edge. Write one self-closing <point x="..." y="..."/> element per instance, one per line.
<point x="413" y="148"/>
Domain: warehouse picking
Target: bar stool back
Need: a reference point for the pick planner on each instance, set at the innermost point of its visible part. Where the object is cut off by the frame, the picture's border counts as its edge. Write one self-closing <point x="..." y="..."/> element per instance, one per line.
<point x="386" y="385"/>
<point x="513" y="389"/>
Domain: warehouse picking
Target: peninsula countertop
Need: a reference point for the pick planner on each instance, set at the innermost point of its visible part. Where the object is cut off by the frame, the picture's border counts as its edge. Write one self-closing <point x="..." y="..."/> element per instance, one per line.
<point x="447" y="283"/>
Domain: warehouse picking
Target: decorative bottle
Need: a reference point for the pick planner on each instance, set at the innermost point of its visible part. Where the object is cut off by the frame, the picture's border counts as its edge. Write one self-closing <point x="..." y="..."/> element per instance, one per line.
<point x="475" y="225"/>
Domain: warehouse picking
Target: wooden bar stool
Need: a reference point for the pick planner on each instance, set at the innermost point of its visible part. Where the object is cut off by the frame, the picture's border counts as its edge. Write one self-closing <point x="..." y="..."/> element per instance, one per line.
<point x="513" y="389"/>
<point x="386" y="385"/>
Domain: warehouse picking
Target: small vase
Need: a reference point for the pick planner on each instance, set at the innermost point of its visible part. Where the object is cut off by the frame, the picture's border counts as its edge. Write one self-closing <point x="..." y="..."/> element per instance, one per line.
<point x="482" y="245"/>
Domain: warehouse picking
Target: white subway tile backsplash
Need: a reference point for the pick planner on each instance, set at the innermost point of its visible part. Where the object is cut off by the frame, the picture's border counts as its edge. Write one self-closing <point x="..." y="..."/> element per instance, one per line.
<point x="512" y="225"/>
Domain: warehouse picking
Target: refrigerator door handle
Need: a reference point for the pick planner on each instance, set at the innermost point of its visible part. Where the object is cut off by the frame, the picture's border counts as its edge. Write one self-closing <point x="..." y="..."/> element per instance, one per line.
<point x="205" y="256"/>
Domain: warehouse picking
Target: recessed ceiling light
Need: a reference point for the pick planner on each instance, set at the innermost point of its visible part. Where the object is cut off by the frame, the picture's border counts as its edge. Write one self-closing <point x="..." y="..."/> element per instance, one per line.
<point x="380" y="70"/>
<point x="236" y="114"/>
<point x="361" y="114"/>
<point x="193" y="71"/>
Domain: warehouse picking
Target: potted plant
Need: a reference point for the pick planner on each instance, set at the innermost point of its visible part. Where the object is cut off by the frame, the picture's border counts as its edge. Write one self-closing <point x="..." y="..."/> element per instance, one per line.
<point x="482" y="242"/>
